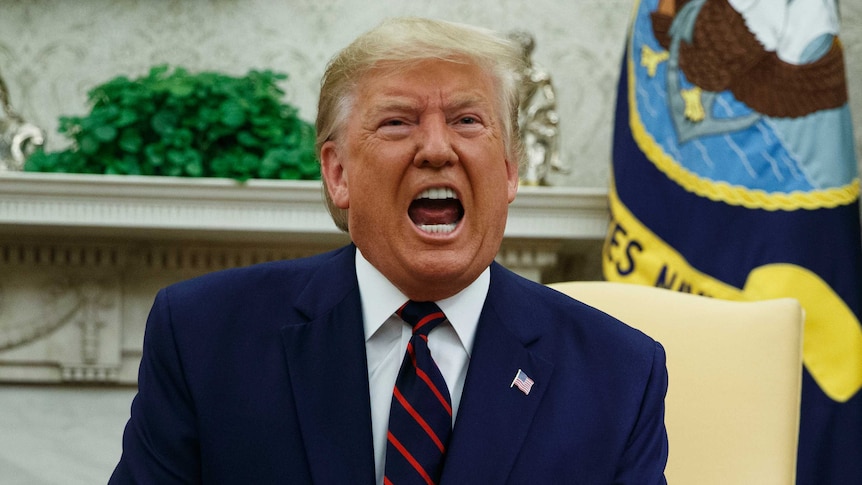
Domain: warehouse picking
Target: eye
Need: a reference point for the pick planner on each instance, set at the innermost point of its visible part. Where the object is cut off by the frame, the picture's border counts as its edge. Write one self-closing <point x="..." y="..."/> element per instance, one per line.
<point x="394" y="128"/>
<point x="468" y="125"/>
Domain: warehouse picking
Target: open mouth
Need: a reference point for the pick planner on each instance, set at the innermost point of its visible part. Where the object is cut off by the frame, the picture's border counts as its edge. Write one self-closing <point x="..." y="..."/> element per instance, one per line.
<point x="436" y="210"/>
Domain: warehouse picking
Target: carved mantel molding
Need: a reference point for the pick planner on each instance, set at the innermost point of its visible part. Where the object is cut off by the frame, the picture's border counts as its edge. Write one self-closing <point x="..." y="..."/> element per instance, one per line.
<point x="81" y="256"/>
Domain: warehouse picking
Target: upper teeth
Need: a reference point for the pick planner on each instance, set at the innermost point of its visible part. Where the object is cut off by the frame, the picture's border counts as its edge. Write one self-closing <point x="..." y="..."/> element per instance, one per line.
<point x="437" y="193"/>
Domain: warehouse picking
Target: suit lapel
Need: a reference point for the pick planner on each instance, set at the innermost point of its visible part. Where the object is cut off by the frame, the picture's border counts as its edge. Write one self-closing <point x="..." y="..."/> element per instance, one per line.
<point x="326" y="362"/>
<point x="494" y="418"/>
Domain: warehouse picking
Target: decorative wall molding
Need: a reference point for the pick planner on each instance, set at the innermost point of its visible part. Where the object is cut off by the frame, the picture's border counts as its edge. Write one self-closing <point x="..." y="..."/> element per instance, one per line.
<point x="82" y="256"/>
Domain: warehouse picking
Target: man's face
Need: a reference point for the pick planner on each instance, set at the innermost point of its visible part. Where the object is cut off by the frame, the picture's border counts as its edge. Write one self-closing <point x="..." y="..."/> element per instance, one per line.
<point x="421" y="166"/>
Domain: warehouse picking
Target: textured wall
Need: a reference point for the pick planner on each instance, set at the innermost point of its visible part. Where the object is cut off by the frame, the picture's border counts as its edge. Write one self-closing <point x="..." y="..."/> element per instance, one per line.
<point x="52" y="51"/>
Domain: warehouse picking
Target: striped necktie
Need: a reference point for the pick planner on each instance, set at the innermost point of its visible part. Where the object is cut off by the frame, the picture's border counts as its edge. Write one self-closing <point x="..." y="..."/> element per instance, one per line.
<point x="420" y="419"/>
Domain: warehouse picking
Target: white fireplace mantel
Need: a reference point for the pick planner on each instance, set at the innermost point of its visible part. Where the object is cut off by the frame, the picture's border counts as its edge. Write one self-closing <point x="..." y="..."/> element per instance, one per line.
<point x="81" y="256"/>
<point x="225" y="209"/>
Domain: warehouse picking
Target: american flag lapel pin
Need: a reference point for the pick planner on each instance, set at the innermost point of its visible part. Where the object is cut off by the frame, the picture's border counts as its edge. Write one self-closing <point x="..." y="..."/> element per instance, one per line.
<point x="523" y="382"/>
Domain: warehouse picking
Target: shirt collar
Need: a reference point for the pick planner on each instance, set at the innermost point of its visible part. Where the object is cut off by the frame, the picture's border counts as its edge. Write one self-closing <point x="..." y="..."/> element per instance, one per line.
<point x="380" y="299"/>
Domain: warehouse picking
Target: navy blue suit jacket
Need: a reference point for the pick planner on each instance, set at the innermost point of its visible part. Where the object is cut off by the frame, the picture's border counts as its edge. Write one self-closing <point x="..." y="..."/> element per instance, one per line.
<point x="258" y="375"/>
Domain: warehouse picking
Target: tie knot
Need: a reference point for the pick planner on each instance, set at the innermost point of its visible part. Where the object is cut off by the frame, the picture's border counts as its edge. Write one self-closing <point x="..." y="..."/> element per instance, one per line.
<point x="422" y="315"/>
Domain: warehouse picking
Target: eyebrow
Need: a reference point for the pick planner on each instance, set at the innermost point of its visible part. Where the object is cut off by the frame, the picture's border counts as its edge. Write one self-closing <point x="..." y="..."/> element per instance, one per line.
<point x="407" y="104"/>
<point x="398" y="104"/>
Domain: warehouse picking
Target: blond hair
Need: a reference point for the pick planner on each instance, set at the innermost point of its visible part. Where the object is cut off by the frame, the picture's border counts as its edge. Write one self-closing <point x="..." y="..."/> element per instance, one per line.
<point x="399" y="43"/>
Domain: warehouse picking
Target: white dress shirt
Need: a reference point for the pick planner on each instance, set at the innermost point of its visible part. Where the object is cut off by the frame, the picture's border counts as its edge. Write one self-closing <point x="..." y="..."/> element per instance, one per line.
<point x="386" y="337"/>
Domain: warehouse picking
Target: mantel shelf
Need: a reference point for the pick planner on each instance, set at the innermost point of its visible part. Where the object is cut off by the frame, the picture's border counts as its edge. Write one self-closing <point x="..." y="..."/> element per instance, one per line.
<point x="226" y="209"/>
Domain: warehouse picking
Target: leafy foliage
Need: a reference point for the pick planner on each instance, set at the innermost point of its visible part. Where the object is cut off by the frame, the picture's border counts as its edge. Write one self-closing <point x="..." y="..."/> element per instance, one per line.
<point x="172" y="122"/>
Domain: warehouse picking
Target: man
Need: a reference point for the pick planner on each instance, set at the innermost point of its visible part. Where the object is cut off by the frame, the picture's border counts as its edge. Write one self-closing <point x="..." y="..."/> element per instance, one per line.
<point x="284" y="372"/>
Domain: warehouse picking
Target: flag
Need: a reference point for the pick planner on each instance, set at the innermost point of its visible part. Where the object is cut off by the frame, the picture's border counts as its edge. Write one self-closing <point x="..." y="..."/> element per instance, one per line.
<point x="734" y="176"/>
<point x="523" y="382"/>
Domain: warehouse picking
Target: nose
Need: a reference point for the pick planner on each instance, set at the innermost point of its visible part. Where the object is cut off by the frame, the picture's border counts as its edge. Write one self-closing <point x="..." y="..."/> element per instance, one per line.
<point x="434" y="144"/>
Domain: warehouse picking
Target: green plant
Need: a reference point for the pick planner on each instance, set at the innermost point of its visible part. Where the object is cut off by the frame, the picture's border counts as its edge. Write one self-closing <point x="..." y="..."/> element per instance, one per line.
<point x="172" y="122"/>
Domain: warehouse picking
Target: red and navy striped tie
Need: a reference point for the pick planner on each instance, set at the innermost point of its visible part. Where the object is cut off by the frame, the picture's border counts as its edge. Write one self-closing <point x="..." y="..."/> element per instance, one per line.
<point x="420" y="419"/>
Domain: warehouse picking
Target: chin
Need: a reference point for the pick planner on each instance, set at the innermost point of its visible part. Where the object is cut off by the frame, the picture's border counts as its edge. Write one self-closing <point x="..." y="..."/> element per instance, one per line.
<point x="438" y="267"/>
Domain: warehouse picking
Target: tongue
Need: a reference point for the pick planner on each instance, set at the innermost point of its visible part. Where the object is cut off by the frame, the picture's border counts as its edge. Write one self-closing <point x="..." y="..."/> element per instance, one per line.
<point x="435" y="211"/>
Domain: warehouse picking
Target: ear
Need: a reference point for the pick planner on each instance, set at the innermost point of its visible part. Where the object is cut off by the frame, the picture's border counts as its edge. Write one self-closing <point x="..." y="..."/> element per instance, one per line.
<point x="334" y="174"/>
<point x="512" y="179"/>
